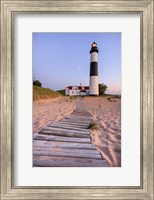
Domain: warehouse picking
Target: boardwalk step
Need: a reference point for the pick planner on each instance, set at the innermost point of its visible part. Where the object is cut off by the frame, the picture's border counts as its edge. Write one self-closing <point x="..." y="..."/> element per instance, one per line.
<point x="53" y="161"/>
<point x="64" y="134"/>
<point x="53" y="144"/>
<point x="67" y="126"/>
<point x="76" y="121"/>
<point x="67" y="152"/>
<point x="79" y="117"/>
<point x="53" y="129"/>
<point x="60" y="138"/>
<point x="74" y="124"/>
<point x="67" y="130"/>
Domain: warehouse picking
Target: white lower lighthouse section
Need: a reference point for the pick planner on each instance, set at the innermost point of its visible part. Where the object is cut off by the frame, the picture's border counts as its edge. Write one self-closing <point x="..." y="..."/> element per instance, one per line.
<point x="93" y="85"/>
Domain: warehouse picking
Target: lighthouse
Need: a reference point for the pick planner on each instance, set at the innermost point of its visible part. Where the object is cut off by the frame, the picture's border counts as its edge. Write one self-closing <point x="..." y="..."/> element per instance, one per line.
<point x="93" y="82"/>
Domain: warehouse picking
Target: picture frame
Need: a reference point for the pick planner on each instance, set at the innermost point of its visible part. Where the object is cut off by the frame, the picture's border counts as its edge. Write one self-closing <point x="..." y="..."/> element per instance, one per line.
<point x="8" y="11"/>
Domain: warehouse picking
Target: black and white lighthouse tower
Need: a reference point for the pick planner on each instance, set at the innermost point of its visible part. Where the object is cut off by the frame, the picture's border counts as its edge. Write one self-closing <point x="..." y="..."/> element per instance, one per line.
<point x="93" y="82"/>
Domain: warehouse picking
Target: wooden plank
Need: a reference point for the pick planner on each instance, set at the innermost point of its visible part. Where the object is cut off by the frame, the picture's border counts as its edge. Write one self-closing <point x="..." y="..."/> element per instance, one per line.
<point x="79" y="117"/>
<point x="54" y="144"/>
<point x="54" y="128"/>
<point x="59" y="130"/>
<point x="77" y="135"/>
<point x="71" y="124"/>
<point x="85" y="113"/>
<point x="51" y="161"/>
<point x="76" y="121"/>
<point x="79" y="121"/>
<point x="67" y="152"/>
<point x="81" y="113"/>
<point x="89" y="152"/>
<point x="60" y="138"/>
<point x="66" y="126"/>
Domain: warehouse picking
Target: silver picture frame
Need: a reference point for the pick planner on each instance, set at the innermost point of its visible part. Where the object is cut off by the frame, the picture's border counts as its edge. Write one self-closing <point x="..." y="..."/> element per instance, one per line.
<point x="8" y="10"/>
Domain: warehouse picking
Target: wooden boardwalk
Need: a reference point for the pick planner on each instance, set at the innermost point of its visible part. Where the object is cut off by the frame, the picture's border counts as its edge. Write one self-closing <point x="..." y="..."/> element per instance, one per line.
<point x="66" y="143"/>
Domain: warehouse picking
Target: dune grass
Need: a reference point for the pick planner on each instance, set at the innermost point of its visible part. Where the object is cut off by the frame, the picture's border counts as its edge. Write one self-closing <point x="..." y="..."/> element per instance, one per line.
<point x="61" y="91"/>
<point x="93" y="125"/>
<point x="40" y="93"/>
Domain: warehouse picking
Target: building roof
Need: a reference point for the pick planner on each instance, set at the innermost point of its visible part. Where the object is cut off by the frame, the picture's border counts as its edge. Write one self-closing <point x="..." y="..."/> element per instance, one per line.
<point x="79" y="87"/>
<point x="69" y="87"/>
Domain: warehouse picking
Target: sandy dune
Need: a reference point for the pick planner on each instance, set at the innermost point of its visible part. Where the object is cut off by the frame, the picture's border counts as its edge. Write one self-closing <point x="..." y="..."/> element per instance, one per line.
<point x="107" y="138"/>
<point x="47" y="111"/>
<point x="106" y="113"/>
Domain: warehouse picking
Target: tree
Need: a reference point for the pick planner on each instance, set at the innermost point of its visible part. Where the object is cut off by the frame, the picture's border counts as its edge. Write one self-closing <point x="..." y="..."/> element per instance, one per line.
<point x="102" y="88"/>
<point x="37" y="83"/>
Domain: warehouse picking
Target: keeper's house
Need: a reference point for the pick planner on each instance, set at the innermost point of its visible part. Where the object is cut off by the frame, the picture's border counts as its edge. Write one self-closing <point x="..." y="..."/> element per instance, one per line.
<point x="77" y="91"/>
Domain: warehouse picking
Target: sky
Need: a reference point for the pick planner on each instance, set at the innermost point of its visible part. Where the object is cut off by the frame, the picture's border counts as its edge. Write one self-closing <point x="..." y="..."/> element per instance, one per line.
<point x="63" y="59"/>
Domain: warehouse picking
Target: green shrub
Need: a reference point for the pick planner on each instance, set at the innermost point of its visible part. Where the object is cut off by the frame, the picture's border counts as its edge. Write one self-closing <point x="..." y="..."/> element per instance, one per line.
<point x="37" y="83"/>
<point x="102" y="89"/>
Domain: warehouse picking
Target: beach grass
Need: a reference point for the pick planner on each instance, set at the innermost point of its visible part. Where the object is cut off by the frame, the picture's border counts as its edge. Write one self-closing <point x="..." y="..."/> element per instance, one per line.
<point x="93" y="125"/>
<point x="61" y="91"/>
<point x="40" y="93"/>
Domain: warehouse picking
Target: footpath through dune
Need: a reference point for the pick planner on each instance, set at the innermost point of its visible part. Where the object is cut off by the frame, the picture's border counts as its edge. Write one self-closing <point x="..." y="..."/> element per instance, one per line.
<point x="67" y="142"/>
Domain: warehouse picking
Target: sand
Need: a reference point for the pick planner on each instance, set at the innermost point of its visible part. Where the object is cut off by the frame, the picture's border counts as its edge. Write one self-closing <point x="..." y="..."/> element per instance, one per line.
<point x="47" y="111"/>
<point x="106" y="113"/>
<point x="107" y="137"/>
